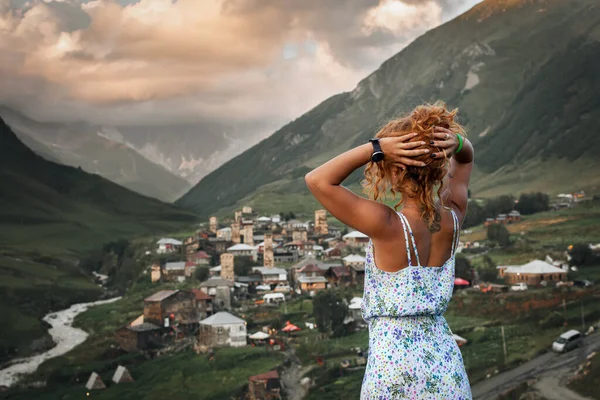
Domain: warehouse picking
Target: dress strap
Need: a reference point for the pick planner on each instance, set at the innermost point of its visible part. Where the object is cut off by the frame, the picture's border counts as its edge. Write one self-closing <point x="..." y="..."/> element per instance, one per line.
<point x="455" y="236"/>
<point x="406" y="225"/>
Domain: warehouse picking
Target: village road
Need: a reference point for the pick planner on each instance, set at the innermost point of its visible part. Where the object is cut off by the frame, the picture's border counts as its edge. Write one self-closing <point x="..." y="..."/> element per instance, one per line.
<point x="550" y="369"/>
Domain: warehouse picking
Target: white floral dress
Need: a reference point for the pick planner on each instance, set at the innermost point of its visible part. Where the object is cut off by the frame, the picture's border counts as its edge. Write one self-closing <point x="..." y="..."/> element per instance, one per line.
<point x="412" y="354"/>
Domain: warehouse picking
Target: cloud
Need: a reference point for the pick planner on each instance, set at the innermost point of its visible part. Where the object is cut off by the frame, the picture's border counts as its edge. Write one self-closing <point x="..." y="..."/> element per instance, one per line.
<point x="160" y="61"/>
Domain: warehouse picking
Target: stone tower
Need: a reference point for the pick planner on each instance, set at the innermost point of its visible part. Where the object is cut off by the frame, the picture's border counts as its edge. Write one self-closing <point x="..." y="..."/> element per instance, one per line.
<point x="235" y="232"/>
<point x="227" y="266"/>
<point x="299" y="235"/>
<point x="249" y="234"/>
<point x="155" y="272"/>
<point x="268" y="259"/>
<point x="321" y="222"/>
<point x="238" y="216"/>
<point x="213" y="224"/>
<point x="247" y="210"/>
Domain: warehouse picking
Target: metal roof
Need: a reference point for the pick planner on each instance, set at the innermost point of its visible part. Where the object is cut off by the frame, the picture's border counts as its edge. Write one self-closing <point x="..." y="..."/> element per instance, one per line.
<point x="354" y="258"/>
<point x="171" y="266"/>
<point x="169" y="241"/>
<point x="355" y="234"/>
<point x="222" y="318"/>
<point x="160" y="296"/>
<point x="534" y="267"/>
<point x="312" y="279"/>
<point x="146" y="326"/>
<point x="215" y="282"/>
<point x="269" y="271"/>
<point x="241" y="247"/>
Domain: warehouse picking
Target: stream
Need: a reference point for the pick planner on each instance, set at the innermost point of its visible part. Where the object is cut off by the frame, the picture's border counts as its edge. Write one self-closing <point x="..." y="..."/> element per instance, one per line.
<point x="64" y="335"/>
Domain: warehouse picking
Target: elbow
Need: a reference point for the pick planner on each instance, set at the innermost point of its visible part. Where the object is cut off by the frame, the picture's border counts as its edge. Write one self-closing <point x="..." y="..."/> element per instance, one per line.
<point x="310" y="180"/>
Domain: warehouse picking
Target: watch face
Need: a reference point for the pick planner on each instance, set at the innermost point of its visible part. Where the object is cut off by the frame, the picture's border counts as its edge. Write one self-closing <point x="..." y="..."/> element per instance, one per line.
<point x="377" y="156"/>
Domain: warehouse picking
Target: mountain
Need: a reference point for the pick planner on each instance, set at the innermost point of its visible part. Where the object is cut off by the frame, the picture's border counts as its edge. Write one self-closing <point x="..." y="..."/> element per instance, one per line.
<point x="52" y="215"/>
<point x="522" y="72"/>
<point x="91" y="148"/>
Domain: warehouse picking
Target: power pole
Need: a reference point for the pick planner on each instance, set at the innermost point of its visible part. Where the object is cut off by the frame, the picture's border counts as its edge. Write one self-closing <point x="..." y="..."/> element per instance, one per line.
<point x="565" y="310"/>
<point x="582" y="318"/>
<point x="504" y="344"/>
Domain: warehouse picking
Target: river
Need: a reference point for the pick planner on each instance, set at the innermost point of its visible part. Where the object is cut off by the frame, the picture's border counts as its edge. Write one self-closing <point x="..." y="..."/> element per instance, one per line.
<point x="64" y="335"/>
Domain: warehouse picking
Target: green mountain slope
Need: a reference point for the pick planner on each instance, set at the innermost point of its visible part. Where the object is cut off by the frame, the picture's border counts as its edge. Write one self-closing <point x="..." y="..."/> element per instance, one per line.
<point x="521" y="72"/>
<point x="51" y="215"/>
<point x="83" y="145"/>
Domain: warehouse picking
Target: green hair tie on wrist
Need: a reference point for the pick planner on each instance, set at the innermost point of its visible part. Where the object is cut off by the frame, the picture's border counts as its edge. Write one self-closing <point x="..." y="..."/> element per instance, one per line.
<point x="460" y="144"/>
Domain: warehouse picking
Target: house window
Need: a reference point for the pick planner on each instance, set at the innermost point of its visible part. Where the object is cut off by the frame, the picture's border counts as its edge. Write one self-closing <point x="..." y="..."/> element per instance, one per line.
<point x="241" y="328"/>
<point x="220" y="330"/>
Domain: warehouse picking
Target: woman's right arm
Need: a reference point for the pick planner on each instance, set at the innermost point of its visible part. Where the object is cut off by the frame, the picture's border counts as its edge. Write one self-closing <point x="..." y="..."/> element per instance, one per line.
<point x="461" y="166"/>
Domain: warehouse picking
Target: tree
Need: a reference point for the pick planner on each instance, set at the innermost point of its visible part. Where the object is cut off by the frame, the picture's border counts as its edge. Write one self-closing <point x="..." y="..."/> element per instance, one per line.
<point x="499" y="234"/>
<point x="531" y="203"/>
<point x="242" y="266"/>
<point x="581" y="254"/>
<point x="201" y="273"/>
<point x="475" y="215"/>
<point x="499" y="205"/>
<point x="462" y="267"/>
<point x="330" y="312"/>
<point x="488" y="272"/>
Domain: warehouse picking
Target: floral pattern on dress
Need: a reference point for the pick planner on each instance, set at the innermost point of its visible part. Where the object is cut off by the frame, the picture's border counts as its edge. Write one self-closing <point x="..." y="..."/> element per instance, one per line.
<point x="412" y="353"/>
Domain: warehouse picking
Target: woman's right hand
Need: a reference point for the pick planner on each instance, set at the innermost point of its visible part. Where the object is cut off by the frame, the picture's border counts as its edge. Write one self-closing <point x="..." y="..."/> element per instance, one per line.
<point x="448" y="142"/>
<point x="400" y="152"/>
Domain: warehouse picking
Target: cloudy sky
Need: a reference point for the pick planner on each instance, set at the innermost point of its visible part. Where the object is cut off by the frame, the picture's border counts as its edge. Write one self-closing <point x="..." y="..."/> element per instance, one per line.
<point x="165" y="61"/>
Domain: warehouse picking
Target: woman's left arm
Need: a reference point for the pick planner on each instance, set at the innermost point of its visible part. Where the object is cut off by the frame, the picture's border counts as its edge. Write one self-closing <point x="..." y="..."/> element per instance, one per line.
<point x="364" y="215"/>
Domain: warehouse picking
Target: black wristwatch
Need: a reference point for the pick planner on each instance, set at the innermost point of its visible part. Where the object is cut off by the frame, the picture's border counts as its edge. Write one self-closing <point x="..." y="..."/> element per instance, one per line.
<point x="377" y="153"/>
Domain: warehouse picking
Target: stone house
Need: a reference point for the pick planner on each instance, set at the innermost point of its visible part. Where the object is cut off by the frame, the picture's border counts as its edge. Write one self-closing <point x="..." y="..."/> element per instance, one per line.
<point x="264" y="386"/>
<point x="222" y="329"/>
<point x="283" y="256"/>
<point x="358" y="274"/>
<point x="243" y="250"/>
<point x="220" y="291"/>
<point x="224" y="233"/>
<point x="339" y="276"/>
<point x="356" y="239"/>
<point x="333" y="253"/>
<point x="169" y="307"/>
<point x="354" y="260"/>
<point x="219" y="244"/>
<point x="168" y="245"/>
<point x="199" y="258"/>
<point x="191" y="244"/>
<point x="312" y="283"/>
<point x="174" y="271"/>
<point x="204" y="304"/>
<point x="514" y="216"/>
<point x="321" y="223"/>
<point x="138" y="337"/>
<point x="271" y="275"/>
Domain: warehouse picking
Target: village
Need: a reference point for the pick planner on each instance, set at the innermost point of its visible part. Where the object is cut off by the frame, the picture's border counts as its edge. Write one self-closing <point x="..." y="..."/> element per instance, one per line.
<point x="282" y="259"/>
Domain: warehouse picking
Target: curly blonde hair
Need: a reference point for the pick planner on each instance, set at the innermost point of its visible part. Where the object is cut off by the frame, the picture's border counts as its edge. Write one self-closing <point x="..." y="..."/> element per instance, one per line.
<point x="422" y="183"/>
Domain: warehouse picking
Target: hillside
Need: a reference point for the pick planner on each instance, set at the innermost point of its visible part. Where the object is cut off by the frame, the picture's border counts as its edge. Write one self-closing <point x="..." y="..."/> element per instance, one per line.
<point x="92" y="148"/>
<point x="51" y="215"/>
<point x="522" y="73"/>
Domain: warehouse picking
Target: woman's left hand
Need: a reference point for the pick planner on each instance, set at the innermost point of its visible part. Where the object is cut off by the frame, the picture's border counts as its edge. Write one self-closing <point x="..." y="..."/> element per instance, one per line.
<point x="447" y="142"/>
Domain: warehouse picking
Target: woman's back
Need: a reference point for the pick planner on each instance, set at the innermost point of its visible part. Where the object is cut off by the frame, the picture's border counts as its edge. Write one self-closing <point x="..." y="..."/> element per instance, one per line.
<point x="433" y="247"/>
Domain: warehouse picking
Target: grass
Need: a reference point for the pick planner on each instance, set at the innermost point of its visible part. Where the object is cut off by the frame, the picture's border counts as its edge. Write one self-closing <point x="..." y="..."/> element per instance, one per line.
<point x="183" y="375"/>
<point x="588" y="384"/>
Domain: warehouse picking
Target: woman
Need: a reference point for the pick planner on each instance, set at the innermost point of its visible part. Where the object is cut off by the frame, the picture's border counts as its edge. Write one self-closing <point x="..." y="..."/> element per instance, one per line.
<point x="409" y="272"/>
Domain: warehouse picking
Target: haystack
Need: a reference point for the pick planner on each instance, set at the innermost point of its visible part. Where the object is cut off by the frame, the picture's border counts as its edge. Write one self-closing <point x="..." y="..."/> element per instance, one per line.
<point x="122" y="375"/>
<point x="95" y="382"/>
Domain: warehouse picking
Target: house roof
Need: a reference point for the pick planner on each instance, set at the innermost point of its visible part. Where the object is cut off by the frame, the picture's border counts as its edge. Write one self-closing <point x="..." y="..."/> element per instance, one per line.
<point x="355" y="303"/>
<point x="241" y="247"/>
<point x="354" y="258"/>
<point x="248" y="279"/>
<point x="215" y="269"/>
<point x="317" y="247"/>
<point x="201" y="254"/>
<point x="222" y="318"/>
<point x="269" y="271"/>
<point x="340" y="271"/>
<point x="310" y="268"/>
<point x="312" y="279"/>
<point x="190" y="264"/>
<point x="215" y="282"/>
<point x="145" y="327"/>
<point x="329" y="250"/>
<point x="169" y="241"/>
<point x="200" y="295"/>
<point x="173" y="266"/>
<point x="357" y="268"/>
<point x="514" y="212"/>
<point x="265" y="377"/>
<point x="534" y="267"/>
<point x="264" y="219"/>
<point x="355" y="234"/>
<point x="227" y="229"/>
<point x="160" y="296"/>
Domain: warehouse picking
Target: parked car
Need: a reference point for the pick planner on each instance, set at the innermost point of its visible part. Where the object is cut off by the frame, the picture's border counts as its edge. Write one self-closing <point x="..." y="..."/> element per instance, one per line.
<point x="582" y="283"/>
<point x="519" y="287"/>
<point x="567" y="341"/>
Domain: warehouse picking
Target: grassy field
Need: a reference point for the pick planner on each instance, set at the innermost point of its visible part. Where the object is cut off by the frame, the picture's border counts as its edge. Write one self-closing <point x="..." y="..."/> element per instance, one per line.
<point x="183" y="375"/>
<point x="588" y="385"/>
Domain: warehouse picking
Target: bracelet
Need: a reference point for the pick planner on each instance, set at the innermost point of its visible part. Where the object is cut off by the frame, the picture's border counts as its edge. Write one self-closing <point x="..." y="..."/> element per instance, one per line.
<point x="460" y="144"/>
